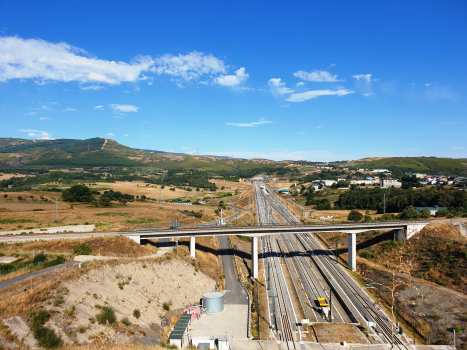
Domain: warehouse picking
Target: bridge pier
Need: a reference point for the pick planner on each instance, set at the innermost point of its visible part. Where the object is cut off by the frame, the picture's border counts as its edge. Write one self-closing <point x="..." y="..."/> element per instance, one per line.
<point x="192" y="247"/>
<point x="137" y="239"/>
<point x="254" y="256"/>
<point x="352" y="251"/>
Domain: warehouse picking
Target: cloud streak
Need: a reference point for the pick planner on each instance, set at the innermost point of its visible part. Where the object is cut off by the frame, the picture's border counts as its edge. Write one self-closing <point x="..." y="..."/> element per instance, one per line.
<point x="251" y="125"/>
<point x="45" y="62"/>
<point x="123" y="108"/>
<point x="278" y="87"/>
<point x="319" y="76"/>
<point x="308" y="95"/>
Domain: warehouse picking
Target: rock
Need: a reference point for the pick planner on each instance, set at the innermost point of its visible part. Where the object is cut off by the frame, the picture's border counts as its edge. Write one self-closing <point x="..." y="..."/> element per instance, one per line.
<point x="165" y="321"/>
<point x="7" y="345"/>
<point x="156" y="328"/>
<point x="21" y="330"/>
<point x="150" y="338"/>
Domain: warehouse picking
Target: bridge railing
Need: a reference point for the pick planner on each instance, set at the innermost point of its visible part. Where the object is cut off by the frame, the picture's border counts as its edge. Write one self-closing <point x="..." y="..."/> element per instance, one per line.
<point x="265" y="226"/>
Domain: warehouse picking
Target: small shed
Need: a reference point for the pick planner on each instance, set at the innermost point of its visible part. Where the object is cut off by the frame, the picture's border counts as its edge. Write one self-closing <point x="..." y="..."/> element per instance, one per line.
<point x="223" y="342"/>
<point x="179" y="335"/>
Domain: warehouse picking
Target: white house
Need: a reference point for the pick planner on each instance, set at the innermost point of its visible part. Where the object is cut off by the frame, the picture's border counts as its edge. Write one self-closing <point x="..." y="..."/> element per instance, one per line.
<point x="385" y="183"/>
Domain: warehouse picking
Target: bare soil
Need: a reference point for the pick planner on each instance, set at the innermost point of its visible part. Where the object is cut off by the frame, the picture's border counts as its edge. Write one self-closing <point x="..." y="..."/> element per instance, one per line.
<point x="339" y="332"/>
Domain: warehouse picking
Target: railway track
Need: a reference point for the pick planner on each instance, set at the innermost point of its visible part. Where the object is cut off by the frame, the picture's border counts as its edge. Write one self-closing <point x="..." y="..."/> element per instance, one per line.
<point x="364" y="304"/>
<point x="281" y="304"/>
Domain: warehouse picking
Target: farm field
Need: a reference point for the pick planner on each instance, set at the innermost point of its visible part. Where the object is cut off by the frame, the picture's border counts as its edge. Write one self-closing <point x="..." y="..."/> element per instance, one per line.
<point x="31" y="213"/>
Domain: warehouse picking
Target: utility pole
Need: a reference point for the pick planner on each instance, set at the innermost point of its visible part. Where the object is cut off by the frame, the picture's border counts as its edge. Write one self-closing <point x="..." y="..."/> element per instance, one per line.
<point x="160" y="198"/>
<point x="56" y="209"/>
<point x="330" y="304"/>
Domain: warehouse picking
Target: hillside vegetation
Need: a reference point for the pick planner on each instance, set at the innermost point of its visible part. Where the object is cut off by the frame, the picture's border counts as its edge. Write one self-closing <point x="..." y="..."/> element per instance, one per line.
<point x="16" y="153"/>
<point x="428" y="165"/>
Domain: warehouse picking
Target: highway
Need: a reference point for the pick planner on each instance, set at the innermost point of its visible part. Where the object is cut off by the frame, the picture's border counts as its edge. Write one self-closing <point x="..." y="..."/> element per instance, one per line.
<point x="319" y="272"/>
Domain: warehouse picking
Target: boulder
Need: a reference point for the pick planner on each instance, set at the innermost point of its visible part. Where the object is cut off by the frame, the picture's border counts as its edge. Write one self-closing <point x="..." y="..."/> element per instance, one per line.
<point x="21" y="330"/>
<point x="4" y="344"/>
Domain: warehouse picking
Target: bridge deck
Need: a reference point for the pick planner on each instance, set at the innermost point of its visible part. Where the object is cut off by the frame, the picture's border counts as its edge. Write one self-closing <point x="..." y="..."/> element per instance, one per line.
<point x="261" y="230"/>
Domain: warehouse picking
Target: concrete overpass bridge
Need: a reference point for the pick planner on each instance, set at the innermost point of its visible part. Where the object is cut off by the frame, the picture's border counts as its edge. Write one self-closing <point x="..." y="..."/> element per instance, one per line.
<point x="405" y="230"/>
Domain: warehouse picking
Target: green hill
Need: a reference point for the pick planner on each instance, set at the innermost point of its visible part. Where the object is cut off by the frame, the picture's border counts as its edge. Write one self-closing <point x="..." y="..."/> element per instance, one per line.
<point x="428" y="165"/>
<point x="98" y="152"/>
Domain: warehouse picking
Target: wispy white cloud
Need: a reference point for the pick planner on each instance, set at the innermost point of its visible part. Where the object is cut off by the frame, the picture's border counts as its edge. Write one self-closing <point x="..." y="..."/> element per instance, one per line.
<point x="278" y="87"/>
<point x="110" y="134"/>
<point x="91" y="87"/>
<point x="46" y="108"/>
<point x="45" y="61"/>
<point x="316" y="76"/>
<point x="31" y="113"/>
<point x="37" y="134"/>
<point x="308" y="95"/>
<point x="70" y="110"/>
<point x="367" y="95"/>
<point x="232" y="80"/>
<point x="98" y="107"/>
<point x="126" y="135"/>
<point x="251" y="125"/>
<point x="301" y="83"/>
<point x="427" y="84"/>
<point x="364" y="77"/>
<point x="45" y="118"/>
<point x="189" y="66"/>
<point x="124" y="108"/>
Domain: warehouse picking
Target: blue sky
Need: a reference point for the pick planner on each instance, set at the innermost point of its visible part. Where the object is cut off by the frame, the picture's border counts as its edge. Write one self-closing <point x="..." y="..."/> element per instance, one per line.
<point x="323" y="81"/>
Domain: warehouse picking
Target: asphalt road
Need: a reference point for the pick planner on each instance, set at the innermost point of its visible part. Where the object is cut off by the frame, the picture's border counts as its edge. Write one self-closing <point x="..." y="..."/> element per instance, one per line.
<point x="38" y="273"/>
<point x="234" y="293"/>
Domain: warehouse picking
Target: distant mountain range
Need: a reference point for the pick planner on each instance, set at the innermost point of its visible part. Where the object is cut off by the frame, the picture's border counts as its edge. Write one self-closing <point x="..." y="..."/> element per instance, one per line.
<point x="69" y="153"/>
<point x="97" y="152"/>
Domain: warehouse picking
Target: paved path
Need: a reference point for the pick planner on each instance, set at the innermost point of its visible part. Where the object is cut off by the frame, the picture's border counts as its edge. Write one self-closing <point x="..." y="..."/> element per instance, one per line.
<point x="22" y="278"/>
<point x="234" y="294"/>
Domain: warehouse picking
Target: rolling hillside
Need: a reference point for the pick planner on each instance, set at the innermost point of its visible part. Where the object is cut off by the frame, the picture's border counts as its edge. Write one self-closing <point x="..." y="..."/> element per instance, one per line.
<point x="66" y="153"/>
<point x="428" y="165"/>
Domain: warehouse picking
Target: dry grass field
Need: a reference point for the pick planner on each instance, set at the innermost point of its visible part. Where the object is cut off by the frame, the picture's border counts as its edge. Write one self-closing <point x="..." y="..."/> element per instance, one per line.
<point x="33" y="213"/>
<point x="9" y="176"/>
<point x="103" y="246"/>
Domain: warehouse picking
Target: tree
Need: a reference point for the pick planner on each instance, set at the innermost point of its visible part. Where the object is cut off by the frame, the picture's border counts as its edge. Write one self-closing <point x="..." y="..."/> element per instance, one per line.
<point x="20" y="198"/>
<point x="77" y="193"/>
<point x="355" y="216"/>
<point x="104" y="201"/>
<point x="5" y="196"/>
<point x="425" y="213"/>
<point x="124" y="201"/>
<point x="410" y="213"/>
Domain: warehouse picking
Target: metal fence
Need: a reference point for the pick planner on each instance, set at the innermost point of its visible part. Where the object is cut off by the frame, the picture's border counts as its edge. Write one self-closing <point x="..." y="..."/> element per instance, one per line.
<point x="23" y="286"/>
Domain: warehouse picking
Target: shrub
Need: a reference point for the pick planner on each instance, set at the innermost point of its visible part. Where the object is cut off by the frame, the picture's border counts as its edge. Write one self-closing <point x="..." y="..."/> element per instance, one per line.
<point x="46" y="338"/>
<point x="71" y="311"/>
<point x="81" y="329"/>
<point x="106" y="314"/>
<point x="40" y="258"/>
<point x="136" y="313"/>
<point x="58" y="301"/>
<point x="355" y="216"/>
<point x="38" y="318"/>
<point x="166" y="305"/>
<point x="125" y="321"/>
<point x="82" y="249"/>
